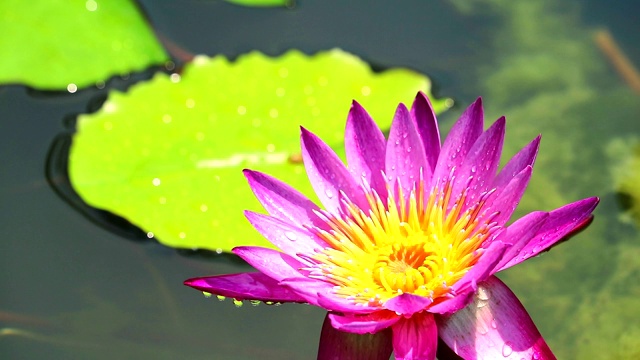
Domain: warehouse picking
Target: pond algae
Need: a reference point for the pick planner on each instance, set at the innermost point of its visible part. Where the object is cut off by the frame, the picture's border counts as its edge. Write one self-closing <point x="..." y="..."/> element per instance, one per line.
<point x="548" y="77"/>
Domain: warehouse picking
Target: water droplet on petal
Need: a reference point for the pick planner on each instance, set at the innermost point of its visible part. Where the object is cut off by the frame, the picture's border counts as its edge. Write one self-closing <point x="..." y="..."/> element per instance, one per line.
<point x="493" y="324"/>
<point x="291" y="235"/>
<point x="482" y="329"/>
<point x="507" y="349"/>
<point x="409" y="149"/>
<point x="328" y="193"/>
<point x="482" y="294"/>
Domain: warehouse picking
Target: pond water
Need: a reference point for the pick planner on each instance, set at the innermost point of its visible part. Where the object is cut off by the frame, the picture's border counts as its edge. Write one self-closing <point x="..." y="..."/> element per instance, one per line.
<point x="70" y="289"/>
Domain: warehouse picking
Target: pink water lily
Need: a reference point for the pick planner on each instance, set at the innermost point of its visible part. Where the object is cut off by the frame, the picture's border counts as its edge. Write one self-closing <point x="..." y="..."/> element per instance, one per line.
<point x="409" y="239"/>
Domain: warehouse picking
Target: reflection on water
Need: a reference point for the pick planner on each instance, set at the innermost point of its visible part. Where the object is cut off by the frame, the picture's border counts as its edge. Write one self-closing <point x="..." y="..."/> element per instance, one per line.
<point x="71" y="290"/>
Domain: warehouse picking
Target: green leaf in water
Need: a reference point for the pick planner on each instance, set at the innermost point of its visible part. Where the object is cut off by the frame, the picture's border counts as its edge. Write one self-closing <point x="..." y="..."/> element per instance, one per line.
<point x="168" y="154"/>
<point x="70" y="44"/>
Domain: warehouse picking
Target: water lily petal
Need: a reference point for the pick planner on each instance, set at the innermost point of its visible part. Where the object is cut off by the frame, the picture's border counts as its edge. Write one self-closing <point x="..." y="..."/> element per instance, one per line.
<point x="525" y="157"/>
<point x="273" y="263"/>
<point x="245" y="286"/>
<point x="427" y="125"/>
<point x="365" y="146"/>
<point x="328" y="175"/>
<point x="463" y="289"/>
<point x="416" y="337"/>
<point x="405" y="158"/>
<point x="494" y="325"/>
<point x="364" y="324"/>
<point x="327" y="300"/>
<point x="462" y="136"/>
<point x="560" y="223"/>
<point x="519" y="234"/>
<point x="336" y="344"/>
<point x="281" y="200"/>
<point x="289" y="238"/>
<point x="506" y="198"/>
<point x="407" y="304"/>
<point x="307" y="288"/>
<point x="478" y="170"/>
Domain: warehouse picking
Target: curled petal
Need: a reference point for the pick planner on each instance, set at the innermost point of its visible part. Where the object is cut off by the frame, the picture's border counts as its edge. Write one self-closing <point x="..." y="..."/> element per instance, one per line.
<point x="494" y="325"/>
<point x="364" y="324"/>
<point x="415" y="337"/>
<point x="336" y="344"/>
<point x="245" y="286"/>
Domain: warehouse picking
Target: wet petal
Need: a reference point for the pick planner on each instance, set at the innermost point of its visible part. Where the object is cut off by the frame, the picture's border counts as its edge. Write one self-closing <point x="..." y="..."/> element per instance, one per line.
<point x="461" y="138"/>
<point x="405" y="157"/>
<point x="289" y="238"/>
<point x="334" y="303"/>
<point x="281" y="200"/>
<point x="463" y="289"/>
<point x="364" y="145"/>
<point x="505" y="199"/>
<point x="494" y="325"/>
<point x="272" y="263"/>
<point x="307" y="288"/>
<point x="407" y="304"/>
<point x="478" y="169"/>
<point x="245" y="286"/>
<point x="415" y="338"/>
<point x="519" y="234"/>
<point x="560" y="223"/>
<point x="364" y="324"/>
<point x="336" y="344"/>
<point x="328" y="175"/>
<point x="525" y="157"/>
<point x="427" y="125"/>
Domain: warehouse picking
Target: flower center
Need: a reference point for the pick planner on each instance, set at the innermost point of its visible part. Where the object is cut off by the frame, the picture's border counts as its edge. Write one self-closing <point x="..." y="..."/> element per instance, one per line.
<point x="400" y="267"/>
<point x="421" y="245"/>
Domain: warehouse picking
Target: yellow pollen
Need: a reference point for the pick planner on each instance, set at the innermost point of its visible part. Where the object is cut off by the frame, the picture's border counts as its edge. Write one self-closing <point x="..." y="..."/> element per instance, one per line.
<point x="422" y="245"/>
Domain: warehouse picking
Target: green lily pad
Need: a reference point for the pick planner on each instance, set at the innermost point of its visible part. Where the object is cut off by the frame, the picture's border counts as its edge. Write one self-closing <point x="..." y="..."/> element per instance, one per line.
<point x="168" y="154"/>
<point x="70" y="44"/>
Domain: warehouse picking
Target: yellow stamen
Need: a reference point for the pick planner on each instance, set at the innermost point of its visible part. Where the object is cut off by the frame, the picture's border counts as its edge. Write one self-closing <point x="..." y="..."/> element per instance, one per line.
<point x="418" y="246"/>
